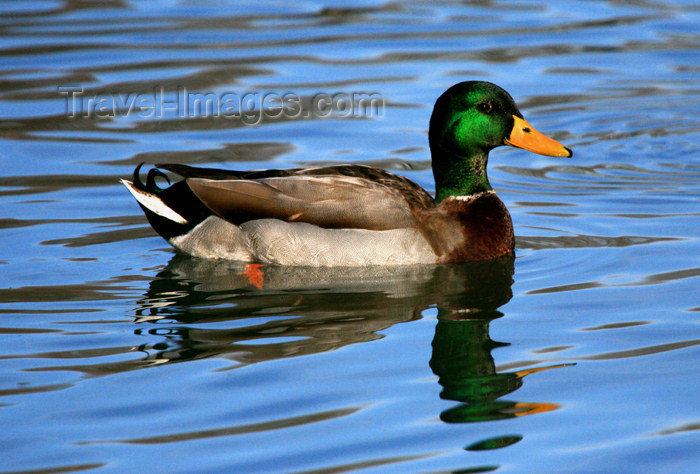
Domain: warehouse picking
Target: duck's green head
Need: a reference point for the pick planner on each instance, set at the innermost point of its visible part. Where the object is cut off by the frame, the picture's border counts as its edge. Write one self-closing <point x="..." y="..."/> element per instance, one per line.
<point x="469" y="120"/>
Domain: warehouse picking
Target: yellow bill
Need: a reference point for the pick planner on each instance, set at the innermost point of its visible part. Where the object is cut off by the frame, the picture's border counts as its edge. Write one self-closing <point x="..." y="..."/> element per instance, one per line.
<point x="526" y="137"/>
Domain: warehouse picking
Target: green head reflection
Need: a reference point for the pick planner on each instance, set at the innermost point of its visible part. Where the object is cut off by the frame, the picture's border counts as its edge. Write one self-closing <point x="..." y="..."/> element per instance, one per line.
<point x="462" y="360"/>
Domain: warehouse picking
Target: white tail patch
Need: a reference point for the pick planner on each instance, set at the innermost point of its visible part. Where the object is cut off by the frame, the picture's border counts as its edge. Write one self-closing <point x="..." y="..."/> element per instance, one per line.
<point x="153" y="203"/>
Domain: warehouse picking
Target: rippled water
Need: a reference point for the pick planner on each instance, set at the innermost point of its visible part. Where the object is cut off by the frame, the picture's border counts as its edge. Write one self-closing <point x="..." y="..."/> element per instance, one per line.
<point x="581" y="355"/>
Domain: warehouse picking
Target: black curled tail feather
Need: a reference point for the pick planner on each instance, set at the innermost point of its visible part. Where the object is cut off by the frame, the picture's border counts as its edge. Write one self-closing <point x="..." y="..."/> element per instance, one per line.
<point x="150" y="185"/>
<point x="151" y="179"/>
<point x="177" y="197"/>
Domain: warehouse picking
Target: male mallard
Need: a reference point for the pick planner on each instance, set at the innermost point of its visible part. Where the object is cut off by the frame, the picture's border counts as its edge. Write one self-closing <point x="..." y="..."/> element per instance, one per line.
<point x="350" y="215"/>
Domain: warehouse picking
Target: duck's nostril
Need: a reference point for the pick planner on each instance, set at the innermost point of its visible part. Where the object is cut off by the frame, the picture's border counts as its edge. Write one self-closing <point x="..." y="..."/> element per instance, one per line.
<point x="526" y="130"/>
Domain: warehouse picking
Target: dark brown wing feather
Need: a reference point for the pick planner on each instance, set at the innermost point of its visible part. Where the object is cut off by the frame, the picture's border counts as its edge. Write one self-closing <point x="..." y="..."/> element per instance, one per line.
<point x="341" y="196"/>
<point x="214" y="173"/>
<point x="413" y="194"/>
<point x="326" y="201"/>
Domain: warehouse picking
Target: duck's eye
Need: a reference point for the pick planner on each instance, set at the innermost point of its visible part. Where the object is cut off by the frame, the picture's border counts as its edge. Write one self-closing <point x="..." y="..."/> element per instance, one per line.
<point x="484" y="107"/>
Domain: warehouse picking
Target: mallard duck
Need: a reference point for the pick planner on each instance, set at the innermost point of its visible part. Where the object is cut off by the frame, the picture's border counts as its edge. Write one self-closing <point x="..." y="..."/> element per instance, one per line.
<point x="349" y="215"/>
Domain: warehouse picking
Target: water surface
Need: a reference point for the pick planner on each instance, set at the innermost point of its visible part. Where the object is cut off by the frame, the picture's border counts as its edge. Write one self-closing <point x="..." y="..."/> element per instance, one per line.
<point x="580" y="355"/>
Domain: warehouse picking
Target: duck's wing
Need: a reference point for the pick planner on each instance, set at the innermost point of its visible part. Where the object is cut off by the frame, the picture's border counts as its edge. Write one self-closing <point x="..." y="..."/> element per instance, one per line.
<point x="344" y="196"/>
<point x="187" y="171"/>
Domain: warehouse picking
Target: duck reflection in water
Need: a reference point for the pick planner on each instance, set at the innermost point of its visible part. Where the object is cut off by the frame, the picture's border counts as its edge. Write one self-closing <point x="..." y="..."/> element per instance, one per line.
<point x="321" y="309"/>
<point x="462" y="359"/>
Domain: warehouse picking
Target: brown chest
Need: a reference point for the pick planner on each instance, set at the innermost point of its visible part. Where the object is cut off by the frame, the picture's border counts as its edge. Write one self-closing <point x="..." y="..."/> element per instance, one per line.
<point x="470" y="229"/>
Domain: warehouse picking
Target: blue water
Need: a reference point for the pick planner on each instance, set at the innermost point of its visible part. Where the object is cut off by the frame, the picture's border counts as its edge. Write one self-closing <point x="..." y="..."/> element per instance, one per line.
<point x="581" y="355"/>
